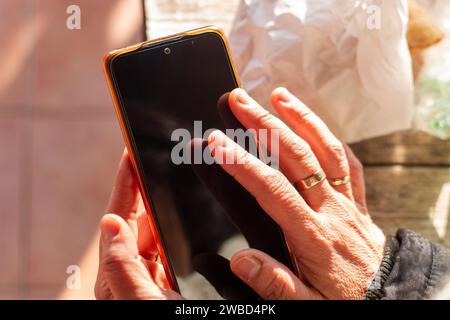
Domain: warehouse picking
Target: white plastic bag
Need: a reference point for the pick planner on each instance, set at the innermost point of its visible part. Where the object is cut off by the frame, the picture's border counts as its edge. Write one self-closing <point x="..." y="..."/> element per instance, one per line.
<point x="347" y="60"/>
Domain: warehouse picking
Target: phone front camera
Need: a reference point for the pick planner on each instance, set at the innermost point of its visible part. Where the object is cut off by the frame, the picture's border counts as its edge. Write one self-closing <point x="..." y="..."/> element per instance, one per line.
<point x="167" y="51"/>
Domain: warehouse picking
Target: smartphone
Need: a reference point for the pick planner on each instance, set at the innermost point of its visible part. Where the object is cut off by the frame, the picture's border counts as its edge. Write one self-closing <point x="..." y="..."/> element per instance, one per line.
<point x="199" y="215"/>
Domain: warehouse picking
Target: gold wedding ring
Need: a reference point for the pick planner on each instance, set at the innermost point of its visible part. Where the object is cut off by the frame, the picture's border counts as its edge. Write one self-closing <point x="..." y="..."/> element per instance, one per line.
<point x="339" y="181"/>
<point x="311" y="181"/>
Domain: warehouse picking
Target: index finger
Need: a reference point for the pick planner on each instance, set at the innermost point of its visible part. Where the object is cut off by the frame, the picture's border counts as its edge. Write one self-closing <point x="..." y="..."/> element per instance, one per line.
<point x="271" y="189"/>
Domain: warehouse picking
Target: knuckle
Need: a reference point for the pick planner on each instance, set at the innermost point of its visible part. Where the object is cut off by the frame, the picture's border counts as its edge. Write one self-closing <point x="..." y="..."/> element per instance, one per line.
<point x="264" y="119"/>
<point x="337" y="150"/>
<point x="113" y="262"/>
<point x="277" y="183"/>
<point x="300" y="151"/>
<point x="337" y="154"/>
<point x="303" y="114"/>
<point x="245" y="159"/>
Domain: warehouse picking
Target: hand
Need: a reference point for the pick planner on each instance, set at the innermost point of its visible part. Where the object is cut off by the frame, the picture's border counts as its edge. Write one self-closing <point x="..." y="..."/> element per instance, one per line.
<point x="128" y="269"/>
<point x="337" y="246"/>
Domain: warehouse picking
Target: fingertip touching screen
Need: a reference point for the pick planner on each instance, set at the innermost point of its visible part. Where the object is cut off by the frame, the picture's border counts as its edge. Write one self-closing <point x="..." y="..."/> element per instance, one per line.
<point x="170" y="95"/>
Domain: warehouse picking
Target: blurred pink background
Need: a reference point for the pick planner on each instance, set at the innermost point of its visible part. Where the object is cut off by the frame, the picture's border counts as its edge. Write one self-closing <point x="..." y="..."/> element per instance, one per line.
<point x="59" y="136"/>
<point x="60" y="141"/>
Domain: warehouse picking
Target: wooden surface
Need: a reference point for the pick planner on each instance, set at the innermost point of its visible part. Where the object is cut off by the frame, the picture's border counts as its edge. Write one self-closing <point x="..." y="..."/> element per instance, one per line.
<point x="408" y="182"/>
<point x="407" y="174"/>
<point x="405" y="148"/>
<point x="411" y="197"/>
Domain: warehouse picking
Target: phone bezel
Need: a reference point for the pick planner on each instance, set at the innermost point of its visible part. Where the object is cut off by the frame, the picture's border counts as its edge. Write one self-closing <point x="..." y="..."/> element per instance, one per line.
<point x="151" y="44"/>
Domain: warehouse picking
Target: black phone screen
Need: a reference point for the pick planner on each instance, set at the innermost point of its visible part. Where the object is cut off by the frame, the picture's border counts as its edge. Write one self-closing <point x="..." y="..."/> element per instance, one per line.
<point x="203" y="215"/>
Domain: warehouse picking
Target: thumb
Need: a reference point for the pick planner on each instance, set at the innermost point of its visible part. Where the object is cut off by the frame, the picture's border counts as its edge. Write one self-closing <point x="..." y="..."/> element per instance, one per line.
<point x="125" y="272"/>
<point x="269" y="278"/>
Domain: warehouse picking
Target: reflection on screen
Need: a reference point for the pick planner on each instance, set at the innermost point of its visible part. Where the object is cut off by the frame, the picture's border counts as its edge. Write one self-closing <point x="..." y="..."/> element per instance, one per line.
<point x="204" y="216"/>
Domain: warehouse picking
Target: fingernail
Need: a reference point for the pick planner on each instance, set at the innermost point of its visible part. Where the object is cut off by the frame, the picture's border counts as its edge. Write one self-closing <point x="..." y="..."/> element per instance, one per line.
<point x="242" y="98"/>
<point x="109" y="227"/>
<point x="247" y="267"/>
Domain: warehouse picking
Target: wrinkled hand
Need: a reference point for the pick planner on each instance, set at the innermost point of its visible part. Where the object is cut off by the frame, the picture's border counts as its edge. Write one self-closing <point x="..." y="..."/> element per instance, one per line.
<point x="337" y="246"/>
<point x="128" y="270"/>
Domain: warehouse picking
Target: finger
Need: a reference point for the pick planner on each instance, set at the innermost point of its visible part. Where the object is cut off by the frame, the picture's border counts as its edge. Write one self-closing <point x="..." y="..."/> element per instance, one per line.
<point x="327" y="148"/>
<point x="295" y="156"/>
<point x="124" y="271"/>
<point x="125" y="194"/>
<point x="269" y="278"/>
<point x="146" y="241"/>
<point x="235" y="199"/>
<point x="357" y="178"/>
<point x="227" y="117"/>
<point x="216" y="269"/>
<point x="270" y="188"/>
<point x="126" y="201"/>
<point x="158" y="274"/>
<point x="101" y="288"/>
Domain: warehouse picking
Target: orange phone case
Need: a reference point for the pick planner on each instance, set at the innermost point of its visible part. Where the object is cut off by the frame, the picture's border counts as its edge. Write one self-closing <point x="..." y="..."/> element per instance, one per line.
<point x="106" y="62"/>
